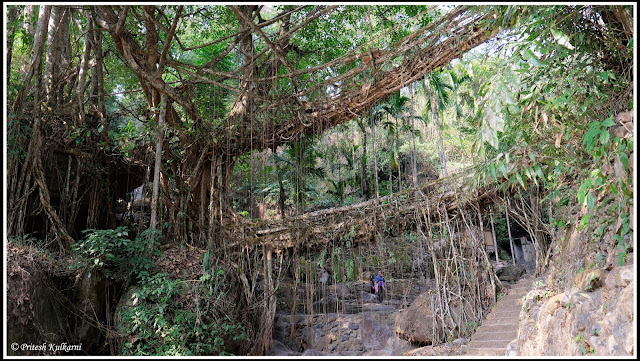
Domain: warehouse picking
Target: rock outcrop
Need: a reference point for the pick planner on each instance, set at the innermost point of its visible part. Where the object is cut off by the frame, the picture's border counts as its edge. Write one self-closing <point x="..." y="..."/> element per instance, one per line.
<point x="510" y="273"/>
<point x="415" y="323"/>
<point x="594" y="317"/>
<point x="35" y="315"/>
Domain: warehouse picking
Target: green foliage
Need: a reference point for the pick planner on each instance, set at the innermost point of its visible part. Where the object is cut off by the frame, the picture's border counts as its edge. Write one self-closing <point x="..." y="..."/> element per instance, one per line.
<point x="174" y="317"/>
<point x="556" y="135"/>
<point x="582" y="343"/>
<point x="470" y="327"/>
<point x="26" y="240"/>
<point x="113" y="252"/>
<point x="597" y="135"/>
<point x="321" y="258"/>
<point x="158" y="324"/>
<point x="124" y="134"/>
<point x="343" y="267"/>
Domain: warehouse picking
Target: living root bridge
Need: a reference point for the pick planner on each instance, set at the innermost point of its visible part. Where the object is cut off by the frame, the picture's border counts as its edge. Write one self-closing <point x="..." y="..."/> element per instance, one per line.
<point x="444" y="213"/>
<point x="361" y="222"/>
<point x="426" y="49"/>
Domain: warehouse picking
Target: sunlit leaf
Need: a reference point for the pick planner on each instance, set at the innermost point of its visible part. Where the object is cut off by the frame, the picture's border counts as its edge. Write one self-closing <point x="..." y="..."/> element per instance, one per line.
<point x="561" y="39"/>
<point x="584" y="220"/>
<point x="495" y="121"/>
<point x="502" y="168"/>
<point x="591" y="200"/>
<point x="624" y="159"/>
<point x="519" y="179"/>
<point x="492" y="169"/>
<point x="529" y="56"/>
<point x="608" y="122"/>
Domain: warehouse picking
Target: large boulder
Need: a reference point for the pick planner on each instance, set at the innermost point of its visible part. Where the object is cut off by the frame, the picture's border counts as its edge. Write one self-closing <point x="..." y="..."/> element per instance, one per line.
<point x="341" y="291"/>
<point x="328" y="304"/>
<point x="91" y="290"/>
<point x="398" y="345"/>
<point x="415" y="323"/>
<point x="313" y="352"/>
<point x="374" y="334"/>
<point x="280" y="349"/>
<point x="510" y="273"/>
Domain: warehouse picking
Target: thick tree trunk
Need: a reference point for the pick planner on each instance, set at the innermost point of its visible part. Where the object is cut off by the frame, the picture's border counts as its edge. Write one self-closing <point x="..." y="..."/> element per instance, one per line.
<point x="434" y="111"/>
<point x="282" y="195"/>
<point x="58" y="55"/>
<point x="30" y="17"/>
<point x="265" y="332"/>
<point x="97" y="77"/>
<point x="506" y="213"/>
<point x="158" y="162"/>
<point x="29" y="14"/>
<point x="12" y="16"/>
<point x="375" y="161"/>
<point x="493" y="234"/>
<point x="20" y="188"/>
<point x="82" y="74"/>
<point x="36" y="60"/>
<point x="244" y="104"/>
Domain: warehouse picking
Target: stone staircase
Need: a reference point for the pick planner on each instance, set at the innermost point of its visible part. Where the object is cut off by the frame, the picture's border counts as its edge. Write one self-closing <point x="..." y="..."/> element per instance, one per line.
<point x="501" y="325"/>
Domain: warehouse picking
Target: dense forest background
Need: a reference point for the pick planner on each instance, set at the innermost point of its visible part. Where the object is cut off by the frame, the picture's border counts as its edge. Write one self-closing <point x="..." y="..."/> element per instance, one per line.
<point x="133" y="128"/>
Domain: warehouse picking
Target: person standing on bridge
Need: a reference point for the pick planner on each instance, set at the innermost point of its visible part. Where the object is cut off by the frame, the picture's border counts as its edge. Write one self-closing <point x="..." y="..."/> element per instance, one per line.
<point x="380" y="285"/>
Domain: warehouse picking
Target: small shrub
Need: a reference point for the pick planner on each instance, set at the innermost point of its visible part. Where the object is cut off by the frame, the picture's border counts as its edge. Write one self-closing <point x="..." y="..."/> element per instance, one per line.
<point x="113" y="252"/>
<point x="160" y="324"/>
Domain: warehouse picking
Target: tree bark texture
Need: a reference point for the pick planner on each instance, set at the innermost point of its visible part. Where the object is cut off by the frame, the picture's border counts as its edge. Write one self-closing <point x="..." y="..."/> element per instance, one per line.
<point x="435" y="113"/>
<point x="58" y="59"/>
<point x="158" y="163"/>
<point x="12" y="17"/>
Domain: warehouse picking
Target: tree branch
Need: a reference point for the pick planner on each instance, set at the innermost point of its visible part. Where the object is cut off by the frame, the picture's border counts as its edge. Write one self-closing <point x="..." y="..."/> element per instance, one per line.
<point x="167" y="43"/>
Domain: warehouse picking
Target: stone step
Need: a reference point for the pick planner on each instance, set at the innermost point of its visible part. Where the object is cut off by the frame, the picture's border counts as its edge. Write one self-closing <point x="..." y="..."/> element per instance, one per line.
<point x="490" y="344"/>
<point x="485" y="351"/>
<point x="524" y="281"/>
<point x="519" y="291"/>
<point x="512" y="296"/>
<point x="513" y="307"/>
<point x="505" y="322"/>
<point x="500" y="323"/>
<point x="514" y="302"/>
<point x="495" y="336"/>
<point x="504" y="314"/>
<point x="497" y="328"/>
<point x="509" y="301"/>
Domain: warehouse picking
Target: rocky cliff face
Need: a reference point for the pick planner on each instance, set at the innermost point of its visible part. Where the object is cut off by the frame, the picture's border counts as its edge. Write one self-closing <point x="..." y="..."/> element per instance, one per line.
<point x="593" y="317"/>
<point x="35" y="307"/>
